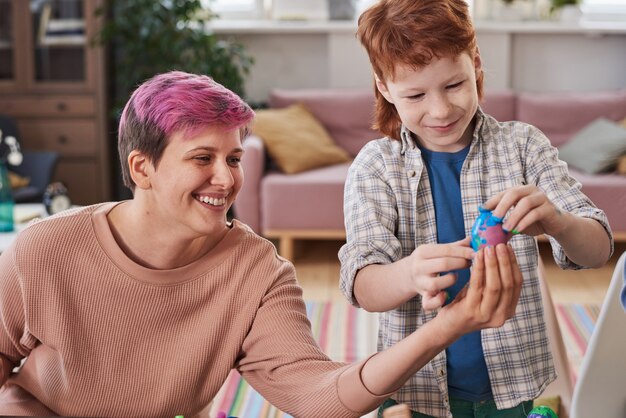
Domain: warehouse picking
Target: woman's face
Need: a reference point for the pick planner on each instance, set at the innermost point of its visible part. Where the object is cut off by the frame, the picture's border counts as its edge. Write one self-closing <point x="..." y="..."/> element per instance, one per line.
<point x="196" y="180"/>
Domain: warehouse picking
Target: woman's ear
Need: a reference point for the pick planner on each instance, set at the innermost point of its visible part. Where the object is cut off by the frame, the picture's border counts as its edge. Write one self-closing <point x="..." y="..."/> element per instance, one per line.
<point x="382" y="88"/>
<point x="140" y="168"/>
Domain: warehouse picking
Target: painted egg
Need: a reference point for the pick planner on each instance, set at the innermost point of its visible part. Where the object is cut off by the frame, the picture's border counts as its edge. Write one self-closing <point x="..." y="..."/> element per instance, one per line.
<point x="487" y="231"/>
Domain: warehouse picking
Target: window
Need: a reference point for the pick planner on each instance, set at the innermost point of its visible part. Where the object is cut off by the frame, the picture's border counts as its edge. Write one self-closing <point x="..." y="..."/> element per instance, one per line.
<point x="604" y="10"/>
<point x="238" y="9"/>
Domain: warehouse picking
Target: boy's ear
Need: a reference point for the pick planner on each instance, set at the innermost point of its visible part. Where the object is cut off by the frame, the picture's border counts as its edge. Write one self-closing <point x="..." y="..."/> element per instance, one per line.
<point x="478" y="63"/>
<point x="139" y="167"/>
<point x="382" y="88"/>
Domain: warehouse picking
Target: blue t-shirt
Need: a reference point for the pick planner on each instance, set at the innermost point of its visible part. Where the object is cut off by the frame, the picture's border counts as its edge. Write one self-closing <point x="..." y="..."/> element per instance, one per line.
<point x="467" y="371"/>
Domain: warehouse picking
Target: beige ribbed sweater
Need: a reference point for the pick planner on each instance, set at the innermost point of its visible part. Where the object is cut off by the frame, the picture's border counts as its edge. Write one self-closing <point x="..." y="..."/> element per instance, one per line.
<point x="105" y="336"/>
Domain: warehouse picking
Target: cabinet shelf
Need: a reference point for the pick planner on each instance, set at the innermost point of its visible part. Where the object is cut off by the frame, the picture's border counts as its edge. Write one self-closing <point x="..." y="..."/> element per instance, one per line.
<point x="53" y="85"/>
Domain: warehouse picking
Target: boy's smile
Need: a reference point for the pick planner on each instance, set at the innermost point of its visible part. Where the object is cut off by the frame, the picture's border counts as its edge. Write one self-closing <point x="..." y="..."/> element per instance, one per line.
<point x="437" y="102"/>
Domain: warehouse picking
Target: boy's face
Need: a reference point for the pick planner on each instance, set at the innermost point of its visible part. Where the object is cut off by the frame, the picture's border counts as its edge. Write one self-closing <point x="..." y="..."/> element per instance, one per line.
<point x="196" y="180"/>
<point x="437" y="102"/>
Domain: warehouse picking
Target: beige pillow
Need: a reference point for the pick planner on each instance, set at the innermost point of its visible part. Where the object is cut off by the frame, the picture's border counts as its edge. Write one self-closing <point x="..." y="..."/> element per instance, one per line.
<point x="18" y="181"/>
<point x="296" y="140"/>
<point x="621" y="165"/>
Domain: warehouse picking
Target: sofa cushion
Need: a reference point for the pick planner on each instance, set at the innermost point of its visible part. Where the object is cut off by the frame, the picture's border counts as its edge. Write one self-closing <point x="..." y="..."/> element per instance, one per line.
<point x="561" y="115"/>
<point x="499" y="104"/>
<point x="296" y="140"/>
<point x="347" y="115"/>
<point x="309" y="200"/>
<point x="596" y="148"/>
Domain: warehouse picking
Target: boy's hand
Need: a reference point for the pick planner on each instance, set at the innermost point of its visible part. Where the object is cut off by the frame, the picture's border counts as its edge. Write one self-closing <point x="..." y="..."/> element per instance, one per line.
<point x="426" y="264"/>
<point x="533" y="213"/>
<point x="491" y="295"/>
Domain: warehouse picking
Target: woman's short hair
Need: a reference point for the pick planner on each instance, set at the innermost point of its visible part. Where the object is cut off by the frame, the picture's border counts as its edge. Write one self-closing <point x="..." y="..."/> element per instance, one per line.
<point x="175" y="102"/>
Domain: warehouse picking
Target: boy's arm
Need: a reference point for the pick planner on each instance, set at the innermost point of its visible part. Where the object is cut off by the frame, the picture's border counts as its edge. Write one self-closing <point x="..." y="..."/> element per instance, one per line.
<point x="376" y="273"/>
<point x="552" y="203"/>
<point x="584" y="240"/>
<point x="412" y="275"/>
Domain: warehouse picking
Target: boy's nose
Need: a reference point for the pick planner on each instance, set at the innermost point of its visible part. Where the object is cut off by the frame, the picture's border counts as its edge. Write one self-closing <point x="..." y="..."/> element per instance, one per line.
<point x="440" y="107"/>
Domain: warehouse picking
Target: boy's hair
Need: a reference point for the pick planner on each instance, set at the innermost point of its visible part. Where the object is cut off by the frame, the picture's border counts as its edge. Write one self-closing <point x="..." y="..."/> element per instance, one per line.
<point x="412" y="33"/>
<point x="175" y="102"/>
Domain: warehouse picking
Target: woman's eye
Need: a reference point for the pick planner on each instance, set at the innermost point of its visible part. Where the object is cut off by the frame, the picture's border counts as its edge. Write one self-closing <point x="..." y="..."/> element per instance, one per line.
<point x="203" y="158"/>
<point x="234" y="161"/>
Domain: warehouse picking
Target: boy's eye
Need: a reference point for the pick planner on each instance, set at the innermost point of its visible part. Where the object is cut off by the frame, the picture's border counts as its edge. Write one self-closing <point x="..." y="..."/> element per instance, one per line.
<point x="416" y="96"/>
<point x="455" y="85"/>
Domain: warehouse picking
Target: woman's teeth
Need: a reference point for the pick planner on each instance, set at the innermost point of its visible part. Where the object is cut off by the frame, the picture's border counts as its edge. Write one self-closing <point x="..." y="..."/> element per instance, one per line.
<point x="214" y="201"/>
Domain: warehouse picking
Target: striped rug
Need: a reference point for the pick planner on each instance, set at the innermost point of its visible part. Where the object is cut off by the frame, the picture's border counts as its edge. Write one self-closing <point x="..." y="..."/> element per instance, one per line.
<point x="342" y="331"/>
<point x="576" y="322"/>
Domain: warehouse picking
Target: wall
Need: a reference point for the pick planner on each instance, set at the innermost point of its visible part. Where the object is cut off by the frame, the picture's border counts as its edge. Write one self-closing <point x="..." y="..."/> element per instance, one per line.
<point x="522" y="56"/>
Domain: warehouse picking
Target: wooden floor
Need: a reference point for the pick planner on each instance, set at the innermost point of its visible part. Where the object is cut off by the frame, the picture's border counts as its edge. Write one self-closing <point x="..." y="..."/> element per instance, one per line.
<point x="317" y="267"/>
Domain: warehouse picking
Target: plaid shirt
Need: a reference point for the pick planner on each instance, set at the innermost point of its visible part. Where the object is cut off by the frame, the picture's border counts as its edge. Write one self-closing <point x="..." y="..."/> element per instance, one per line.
<point x="389" y="211"/>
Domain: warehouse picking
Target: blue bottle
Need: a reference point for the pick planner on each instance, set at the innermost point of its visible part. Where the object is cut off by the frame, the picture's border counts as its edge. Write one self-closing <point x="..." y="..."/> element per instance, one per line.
<point x="6" y="200"/>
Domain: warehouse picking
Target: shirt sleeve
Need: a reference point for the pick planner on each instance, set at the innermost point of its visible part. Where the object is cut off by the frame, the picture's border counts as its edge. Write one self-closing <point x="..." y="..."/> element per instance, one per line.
<point x="545" y="170"/>
<point x="13" y="329"/>
<point x="283" y="362"/>
<point x="371" y="217"/>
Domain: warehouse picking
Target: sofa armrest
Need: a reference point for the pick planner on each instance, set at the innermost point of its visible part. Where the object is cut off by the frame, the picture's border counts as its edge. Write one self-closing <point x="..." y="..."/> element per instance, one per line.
<point x="247" y="206"/>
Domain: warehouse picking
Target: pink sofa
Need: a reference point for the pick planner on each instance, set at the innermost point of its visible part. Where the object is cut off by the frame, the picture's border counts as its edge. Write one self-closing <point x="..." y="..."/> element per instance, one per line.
<point x="309" y="205"/>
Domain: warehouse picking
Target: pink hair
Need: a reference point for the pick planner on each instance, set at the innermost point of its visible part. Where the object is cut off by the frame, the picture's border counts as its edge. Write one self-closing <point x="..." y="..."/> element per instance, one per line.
<point x="175" y="102"/>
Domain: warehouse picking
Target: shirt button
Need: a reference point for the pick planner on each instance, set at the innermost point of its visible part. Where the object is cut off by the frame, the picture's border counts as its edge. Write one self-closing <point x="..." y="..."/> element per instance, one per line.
<point x="411" y="173"/>
<point x="441" y="372"/>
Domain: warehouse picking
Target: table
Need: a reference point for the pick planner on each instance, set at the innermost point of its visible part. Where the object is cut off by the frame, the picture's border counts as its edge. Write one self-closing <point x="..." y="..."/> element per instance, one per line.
<point x="22" y="214"/>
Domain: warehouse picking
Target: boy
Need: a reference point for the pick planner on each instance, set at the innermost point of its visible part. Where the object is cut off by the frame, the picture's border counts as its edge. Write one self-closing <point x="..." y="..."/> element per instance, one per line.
<point x="141" y="308"/>
<point x="412" y="197"/>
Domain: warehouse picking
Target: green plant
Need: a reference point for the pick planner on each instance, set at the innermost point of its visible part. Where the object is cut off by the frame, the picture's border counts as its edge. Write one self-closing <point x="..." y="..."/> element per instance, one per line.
<point x="147" y="37"/>
<point x="557" y="4"/>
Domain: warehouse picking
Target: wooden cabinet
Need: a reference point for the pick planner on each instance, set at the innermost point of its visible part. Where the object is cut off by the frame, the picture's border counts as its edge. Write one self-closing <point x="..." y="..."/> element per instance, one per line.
<point x="52" y="81"/>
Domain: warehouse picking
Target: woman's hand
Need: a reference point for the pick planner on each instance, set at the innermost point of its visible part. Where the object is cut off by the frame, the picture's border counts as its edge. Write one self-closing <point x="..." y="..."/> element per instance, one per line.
<point x="492" y="293"/>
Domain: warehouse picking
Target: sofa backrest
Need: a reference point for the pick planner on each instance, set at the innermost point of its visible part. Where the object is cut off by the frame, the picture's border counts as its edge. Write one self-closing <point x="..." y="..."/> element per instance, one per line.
<point x="561" y="115"/>
<point x="499" y="104"/>
<point x="347" y="115"/>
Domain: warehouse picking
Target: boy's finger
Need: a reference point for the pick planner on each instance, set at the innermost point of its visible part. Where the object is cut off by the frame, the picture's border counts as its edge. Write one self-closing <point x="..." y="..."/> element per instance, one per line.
<point x="430" y="303"/>
<point x="493" y="201"/>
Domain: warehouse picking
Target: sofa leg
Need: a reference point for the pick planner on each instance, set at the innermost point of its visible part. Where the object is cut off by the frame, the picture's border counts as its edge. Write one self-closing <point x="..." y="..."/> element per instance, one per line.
<point x="286" y="247"/>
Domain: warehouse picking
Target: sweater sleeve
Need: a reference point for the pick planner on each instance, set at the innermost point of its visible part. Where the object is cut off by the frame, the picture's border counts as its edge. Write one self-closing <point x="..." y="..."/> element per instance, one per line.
<point x="13" y="329"/>
<point x="282" y="361"/>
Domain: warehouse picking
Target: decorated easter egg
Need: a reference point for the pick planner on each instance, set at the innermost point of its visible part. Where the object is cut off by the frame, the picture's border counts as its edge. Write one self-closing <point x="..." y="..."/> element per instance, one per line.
<point x="542" y="412"/>
<point x="487" y="231"/>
